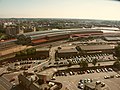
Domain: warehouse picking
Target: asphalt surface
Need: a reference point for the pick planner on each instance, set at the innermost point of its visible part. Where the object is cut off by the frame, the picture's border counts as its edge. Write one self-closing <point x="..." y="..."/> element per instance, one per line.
<point x="71" y="82"/>
<point x="5" y="84"/>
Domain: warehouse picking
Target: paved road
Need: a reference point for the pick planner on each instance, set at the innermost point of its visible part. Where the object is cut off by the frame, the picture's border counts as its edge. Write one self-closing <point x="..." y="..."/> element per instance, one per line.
<point x="52" y="54"/>
<point x="39" y="66"/>
<point x="5" y="84"/>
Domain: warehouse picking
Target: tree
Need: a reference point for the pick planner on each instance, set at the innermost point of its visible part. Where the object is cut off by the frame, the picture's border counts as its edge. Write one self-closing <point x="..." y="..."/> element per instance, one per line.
<point x="18" y="54"/>
<point x="83" y="63"/>
<point x="31" y="51"/>
<point x="70" y="63"/>
<point x="94" y="62"/>
<point x="21" y="39"/>
<point x="117" y="51"/>
<point x="117" y="64"/>
<point x="23" y="52"/>
<point x="28" y="40"/>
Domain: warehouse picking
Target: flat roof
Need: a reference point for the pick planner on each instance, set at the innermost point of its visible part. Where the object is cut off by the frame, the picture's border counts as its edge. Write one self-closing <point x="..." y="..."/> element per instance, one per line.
<point x="96" y="47"/>
<point x="47" y="72"/>
<point x="80" y="30"/>
<point x="67" y="50"/>
<point x="42" y="49"/>
<point x="39" y="41"/>
<point x="112" y="38"/>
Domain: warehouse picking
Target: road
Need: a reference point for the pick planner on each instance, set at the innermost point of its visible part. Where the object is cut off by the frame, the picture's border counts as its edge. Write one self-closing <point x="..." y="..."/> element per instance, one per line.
<point x="39" y="66"/>
<point x="5" y="84"/>
<point x="52" y="54"/>
<point x="51" y="57"/>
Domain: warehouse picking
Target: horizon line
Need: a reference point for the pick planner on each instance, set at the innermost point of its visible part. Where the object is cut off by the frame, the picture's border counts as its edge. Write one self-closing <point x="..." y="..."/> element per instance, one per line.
<point x="56" y="18"/>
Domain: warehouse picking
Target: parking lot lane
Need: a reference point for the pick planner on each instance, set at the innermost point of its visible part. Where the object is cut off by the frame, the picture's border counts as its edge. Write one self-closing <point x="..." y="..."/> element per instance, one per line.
<point x="113" y="85"/>
<point x="71" y="81"/>
<point x="2" y="88"/>
<point x="6" y="84"/>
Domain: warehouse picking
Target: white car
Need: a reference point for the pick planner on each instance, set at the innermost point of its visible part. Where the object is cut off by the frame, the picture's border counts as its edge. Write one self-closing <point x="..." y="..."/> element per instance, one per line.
<point x="81" y="86"/>
<point x="117" y="76"/>
<point x="106" y="77"/>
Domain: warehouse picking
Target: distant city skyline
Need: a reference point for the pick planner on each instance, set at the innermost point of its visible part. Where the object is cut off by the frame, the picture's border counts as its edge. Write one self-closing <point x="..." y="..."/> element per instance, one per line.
<point x="78" y="9"/>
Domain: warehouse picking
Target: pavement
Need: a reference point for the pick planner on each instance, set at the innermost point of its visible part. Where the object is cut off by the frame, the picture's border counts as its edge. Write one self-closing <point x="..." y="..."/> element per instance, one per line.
<point x="5" y="84"/>
<point x="71" y="82"/>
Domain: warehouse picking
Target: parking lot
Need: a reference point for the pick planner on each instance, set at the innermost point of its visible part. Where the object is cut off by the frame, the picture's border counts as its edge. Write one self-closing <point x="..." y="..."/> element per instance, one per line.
<point x="70" y="79"/>
<point x="89" y="58"/>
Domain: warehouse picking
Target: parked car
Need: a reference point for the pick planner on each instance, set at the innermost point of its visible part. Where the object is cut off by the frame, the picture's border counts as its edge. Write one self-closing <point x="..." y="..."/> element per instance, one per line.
<point x="102" y="84"/>
<point x="117" y="76"/>
<point x="106" y="77"/>
<point x="81" y="86"/>
<point x="11" y="80"/>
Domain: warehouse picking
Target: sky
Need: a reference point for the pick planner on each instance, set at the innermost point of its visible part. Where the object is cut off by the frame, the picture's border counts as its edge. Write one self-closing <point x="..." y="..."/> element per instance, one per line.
<point x="80" y="9"/>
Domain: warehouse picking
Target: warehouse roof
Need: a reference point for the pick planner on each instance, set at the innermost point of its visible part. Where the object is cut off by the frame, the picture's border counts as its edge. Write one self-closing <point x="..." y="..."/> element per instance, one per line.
<point x="96" y="47"/>
<point x="42" y="49"/>
<point x="61" y="31"/>
<point x="112" y="38"/>
<point x="67" y="50"/>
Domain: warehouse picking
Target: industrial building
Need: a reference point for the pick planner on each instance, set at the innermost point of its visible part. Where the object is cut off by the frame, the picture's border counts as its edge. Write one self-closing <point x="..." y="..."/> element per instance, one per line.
<point x="97" y="48"/>
<point x="66" y="53"/>
<point x="112" y="38"/>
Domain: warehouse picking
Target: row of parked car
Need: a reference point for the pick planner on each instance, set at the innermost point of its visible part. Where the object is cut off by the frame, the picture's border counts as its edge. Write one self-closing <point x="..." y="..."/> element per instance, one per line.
<point x="65" y="73"/>
<point x="89" y="58"/>
<point x="104" y="70"/>
<point x="82" y="82"/>
<point x="100" y="70"/>
<point x="111" y="76"/>
<point x="27" y="62"/>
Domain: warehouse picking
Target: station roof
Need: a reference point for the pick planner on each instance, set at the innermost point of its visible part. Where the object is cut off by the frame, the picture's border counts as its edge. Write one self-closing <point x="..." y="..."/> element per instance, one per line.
<point x="39" y="41"/>
<point x="64" y="31"/>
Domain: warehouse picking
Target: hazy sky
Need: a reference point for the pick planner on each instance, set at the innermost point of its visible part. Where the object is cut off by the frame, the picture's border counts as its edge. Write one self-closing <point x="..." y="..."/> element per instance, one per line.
<point x="83" y="9"/>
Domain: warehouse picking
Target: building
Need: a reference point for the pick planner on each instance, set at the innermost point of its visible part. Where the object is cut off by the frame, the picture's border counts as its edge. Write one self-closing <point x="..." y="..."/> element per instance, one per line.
<point x="12" y="30"/>
<point x="116" y="38"/>
<point x="38" y="81"/>
<point x="66" y="53"/>
<point x="46" y="75"/>
<point x="55" y="35"/>
<point x="43" y="52"/>
<point x="97" y="48"/>
<point x="7" y="44"/>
